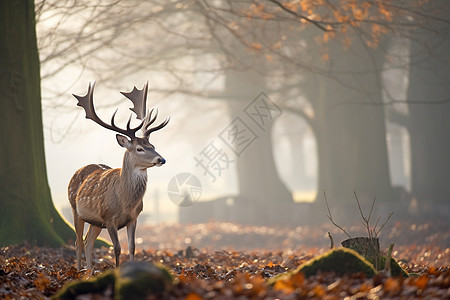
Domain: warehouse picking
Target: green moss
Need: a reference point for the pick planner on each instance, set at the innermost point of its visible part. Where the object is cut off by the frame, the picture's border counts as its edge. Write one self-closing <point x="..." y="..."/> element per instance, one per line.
<point x="134" y="280"/>
<point x="137" y="280"/>
<point x="94" y="285"/>
<point x="341" y="261"/>
<point x="396" y="270"/>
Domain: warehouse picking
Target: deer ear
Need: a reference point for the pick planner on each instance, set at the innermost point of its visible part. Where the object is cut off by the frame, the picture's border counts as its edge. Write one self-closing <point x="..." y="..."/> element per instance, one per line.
<point x="123" y="141"/>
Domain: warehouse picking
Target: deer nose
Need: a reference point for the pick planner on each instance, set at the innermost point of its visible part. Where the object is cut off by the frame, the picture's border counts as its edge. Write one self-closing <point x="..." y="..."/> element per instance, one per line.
<point x="161" y="160"/>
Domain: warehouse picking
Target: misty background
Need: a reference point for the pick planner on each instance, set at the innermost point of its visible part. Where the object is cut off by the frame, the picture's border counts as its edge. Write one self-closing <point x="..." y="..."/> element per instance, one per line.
<point x="357" y="95"/>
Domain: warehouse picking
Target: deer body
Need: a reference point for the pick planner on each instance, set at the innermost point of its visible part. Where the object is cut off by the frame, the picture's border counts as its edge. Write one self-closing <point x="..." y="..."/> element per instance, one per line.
<point x="109" y="200"/>
<point x="112" y="198"/>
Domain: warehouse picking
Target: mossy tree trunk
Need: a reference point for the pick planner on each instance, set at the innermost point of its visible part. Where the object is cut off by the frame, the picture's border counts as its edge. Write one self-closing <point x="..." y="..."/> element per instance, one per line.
<point x="27" y="212"/>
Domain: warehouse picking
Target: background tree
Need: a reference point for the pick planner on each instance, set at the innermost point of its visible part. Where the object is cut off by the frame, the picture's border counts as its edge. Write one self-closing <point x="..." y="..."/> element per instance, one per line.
<point x="350" y="124"/>
<point x="429" y="107"/>
<point x="26" y="209"/>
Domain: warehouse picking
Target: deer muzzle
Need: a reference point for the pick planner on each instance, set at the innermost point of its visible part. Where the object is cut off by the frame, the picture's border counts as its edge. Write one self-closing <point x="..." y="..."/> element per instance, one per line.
<point x="160" y="161"/>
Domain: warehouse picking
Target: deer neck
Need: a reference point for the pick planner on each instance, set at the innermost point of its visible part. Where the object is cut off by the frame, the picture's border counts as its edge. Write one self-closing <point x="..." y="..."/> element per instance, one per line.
<point x="133" y="180"/>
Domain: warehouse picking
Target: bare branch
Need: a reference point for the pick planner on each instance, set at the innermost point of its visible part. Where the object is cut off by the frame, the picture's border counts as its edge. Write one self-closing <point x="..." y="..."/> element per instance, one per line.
<point x="376" y="223"/>
<point x="359" y="207"/>
<point x="366" y="220"/>
<point x="371" y="209"/>
<point x="331" y="218"/>
<point x="387" y="220"/>
<point x="315" y="23"/>
<point x="331" y="240"/>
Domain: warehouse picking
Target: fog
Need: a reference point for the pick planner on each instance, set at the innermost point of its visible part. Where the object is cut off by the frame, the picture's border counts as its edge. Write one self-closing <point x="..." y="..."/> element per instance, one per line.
<point x="269" y="112"/>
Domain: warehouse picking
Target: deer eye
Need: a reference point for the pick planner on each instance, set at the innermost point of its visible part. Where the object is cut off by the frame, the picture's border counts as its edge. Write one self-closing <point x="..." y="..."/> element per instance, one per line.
<point x="140" y="150"/>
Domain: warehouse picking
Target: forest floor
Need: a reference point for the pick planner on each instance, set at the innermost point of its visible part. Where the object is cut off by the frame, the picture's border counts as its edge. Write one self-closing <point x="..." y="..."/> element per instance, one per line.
<point x="228" y="261"/>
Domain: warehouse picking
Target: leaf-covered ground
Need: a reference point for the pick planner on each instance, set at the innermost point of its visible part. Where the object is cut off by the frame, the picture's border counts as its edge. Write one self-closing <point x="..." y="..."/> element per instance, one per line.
<point x="226" y="261"/>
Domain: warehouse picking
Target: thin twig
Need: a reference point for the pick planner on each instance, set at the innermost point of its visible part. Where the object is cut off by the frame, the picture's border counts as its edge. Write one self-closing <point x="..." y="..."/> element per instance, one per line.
<point x="359" y="207"/>
<point x="375" y="226"/>
<point x="331" y="240"/>
<point x="315" y="23"/>
<point x="331" y="218"/>
<point x="387" y="220"/>
<point x="371" y="209"/>
<point x="366" y="220"/>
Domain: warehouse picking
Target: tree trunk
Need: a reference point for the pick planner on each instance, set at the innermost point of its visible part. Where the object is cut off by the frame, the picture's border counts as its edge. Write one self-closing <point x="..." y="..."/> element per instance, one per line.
<point x="26" y="209"/>
<point x="350" y="128"/>
<point x="429" y="108"/>
<point x="261" y="191"/>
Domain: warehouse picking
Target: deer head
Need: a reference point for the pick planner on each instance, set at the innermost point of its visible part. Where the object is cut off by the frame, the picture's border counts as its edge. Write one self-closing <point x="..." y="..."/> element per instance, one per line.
<point x="141" y="152"/>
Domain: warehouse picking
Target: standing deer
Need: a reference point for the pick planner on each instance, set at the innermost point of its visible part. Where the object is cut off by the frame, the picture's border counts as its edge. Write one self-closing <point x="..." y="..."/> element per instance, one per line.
<point x="112" y="198"/>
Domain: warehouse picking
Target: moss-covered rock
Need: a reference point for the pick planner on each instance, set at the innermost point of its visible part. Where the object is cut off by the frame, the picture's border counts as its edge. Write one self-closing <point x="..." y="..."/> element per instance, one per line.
<point x="137" y="280"/>
<point x="98" y="284"/>
<point x="341" y="261"/>
<point x="134" y="280"/>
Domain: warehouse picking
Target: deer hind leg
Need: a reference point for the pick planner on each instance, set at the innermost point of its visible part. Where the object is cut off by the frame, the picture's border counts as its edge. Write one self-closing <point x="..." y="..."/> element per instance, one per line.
<point x="91" y="236"/>
<point x="112" y="230"/>
<point x="131" y="232"/>
<point x="79" y="245"/>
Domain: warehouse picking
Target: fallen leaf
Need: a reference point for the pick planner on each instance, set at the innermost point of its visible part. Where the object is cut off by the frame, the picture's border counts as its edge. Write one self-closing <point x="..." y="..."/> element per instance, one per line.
<point x="193" y="296"/>
<point x="392" y="286"/>
<point x="41" y="282"/>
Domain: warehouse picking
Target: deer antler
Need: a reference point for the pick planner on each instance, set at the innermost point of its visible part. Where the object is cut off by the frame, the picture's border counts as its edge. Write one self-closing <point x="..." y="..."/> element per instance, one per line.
<point x="87" y="102"/>
<point x="149" y="120"/>
<point x="139" y="99"/>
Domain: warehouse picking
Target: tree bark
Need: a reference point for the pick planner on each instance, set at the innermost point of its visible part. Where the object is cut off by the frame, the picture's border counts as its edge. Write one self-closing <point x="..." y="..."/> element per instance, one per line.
<point x="429" y="108"/>
<point x="257" y="174"/>
<point x="350" y="128"/>
<point x="263" y="197"/>
<point x="26" y="209"/>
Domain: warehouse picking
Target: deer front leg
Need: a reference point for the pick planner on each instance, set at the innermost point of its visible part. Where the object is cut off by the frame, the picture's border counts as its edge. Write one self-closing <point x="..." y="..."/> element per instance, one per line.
<point x="91" y="236"/>
<point x="112" y="230"/>
<point x="131" y="232"/>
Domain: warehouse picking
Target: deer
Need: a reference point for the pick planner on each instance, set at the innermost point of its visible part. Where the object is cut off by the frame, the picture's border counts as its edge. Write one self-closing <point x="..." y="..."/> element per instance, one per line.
<point x="113" y="198"/>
